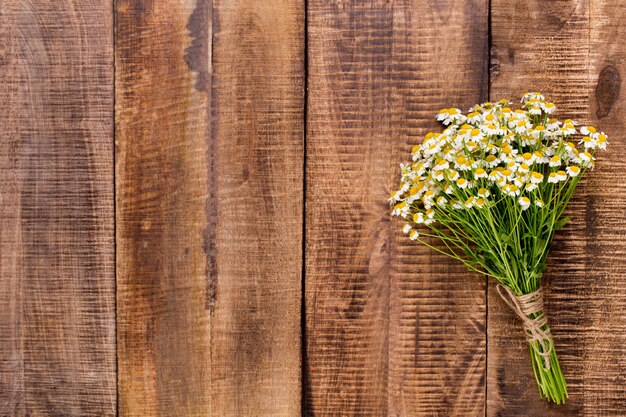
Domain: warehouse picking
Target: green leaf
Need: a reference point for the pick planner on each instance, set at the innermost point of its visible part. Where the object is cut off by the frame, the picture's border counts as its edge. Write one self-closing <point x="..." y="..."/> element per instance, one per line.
<point x="561" y="222"/>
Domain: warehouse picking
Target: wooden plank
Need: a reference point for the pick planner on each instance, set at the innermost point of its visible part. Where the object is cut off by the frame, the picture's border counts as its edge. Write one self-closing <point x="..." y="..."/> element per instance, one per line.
<point x="392" y="328"/>
<point x="574" y="53"/>
<point x="57" y="282"/>
<point x="209" y="196"/>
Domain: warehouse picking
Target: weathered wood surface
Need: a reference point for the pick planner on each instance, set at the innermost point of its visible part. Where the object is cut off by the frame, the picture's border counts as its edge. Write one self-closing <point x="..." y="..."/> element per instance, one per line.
<point x="210" y="175"/>
<point x="209" y="206"/>
<point x="57" y="280"/>
<point x="574" y="52"/>
<point x="392" y="329"/>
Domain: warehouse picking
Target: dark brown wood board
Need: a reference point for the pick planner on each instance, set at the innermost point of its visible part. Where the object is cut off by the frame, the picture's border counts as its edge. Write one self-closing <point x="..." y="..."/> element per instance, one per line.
<point x="209" y="168"/>
<point x="57" y="276"/>
<point x="574" y="53"/>
<point x="392" y="328"/>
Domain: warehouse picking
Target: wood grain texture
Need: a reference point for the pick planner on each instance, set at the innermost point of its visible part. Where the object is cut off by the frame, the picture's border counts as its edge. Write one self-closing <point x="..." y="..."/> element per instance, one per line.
<point x="573" y="52"/>
<point x="258" y="113"/>
<point x="209" y="205"/>
<point x="392" y="329"/>
<point x="57" y="282"/>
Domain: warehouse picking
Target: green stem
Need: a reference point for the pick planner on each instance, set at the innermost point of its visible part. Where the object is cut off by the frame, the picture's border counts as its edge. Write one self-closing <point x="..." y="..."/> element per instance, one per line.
<point x="551" y="382"/>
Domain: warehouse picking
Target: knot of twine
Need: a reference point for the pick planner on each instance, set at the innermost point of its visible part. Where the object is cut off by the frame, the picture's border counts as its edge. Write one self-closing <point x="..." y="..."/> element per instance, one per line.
<point x="525" y="306"/>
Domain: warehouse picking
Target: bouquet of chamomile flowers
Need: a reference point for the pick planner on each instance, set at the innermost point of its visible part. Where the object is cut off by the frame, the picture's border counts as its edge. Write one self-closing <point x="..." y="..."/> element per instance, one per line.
<point x="493" y="188"/>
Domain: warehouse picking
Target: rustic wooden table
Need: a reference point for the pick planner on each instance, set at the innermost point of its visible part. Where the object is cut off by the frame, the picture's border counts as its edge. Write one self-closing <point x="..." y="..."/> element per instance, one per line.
<point x="193" y="213"/>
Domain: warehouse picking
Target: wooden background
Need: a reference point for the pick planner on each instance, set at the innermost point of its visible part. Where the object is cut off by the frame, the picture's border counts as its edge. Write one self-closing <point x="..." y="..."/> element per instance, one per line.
<point x="193" y="215"/>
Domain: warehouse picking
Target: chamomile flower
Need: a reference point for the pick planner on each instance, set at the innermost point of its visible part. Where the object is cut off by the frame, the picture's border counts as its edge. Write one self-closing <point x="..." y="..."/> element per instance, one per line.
<point x="601" y="141"/>
<point x="568" y="129"/>
<point x="547" y="107"/>
<point x="521" y="126"/>
<point x="587" y="130"/>
<point x="532" y="96"/>
<point x="553" y="124"/>
<point x="552" y="178"/>
<point x="400" y="209"/>
<point x="524" y="202"/>
<point x="480" y="173"/>
<point x="453" y="115"/>
<point x="536" y="177"/>
<point x="407" y="228"/>
<point x="585" y="157"/>
<point x="530" y="187"/>
<point x="534" y="110"/>
<point x="555" y="161"/>
<point x="474" y="117"/>
<point x="573" y="170"/>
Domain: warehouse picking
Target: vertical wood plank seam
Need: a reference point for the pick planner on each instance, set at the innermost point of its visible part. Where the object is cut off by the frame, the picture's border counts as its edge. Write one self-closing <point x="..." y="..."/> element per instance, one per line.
<point x="113" y="149"/>
<point x="305" y="100"/>
<point x="488" y="76"/>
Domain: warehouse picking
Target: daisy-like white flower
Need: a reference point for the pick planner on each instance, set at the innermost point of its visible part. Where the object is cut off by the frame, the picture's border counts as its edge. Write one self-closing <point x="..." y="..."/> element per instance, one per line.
<point x="532" y="96"/>
<point x="553" y="124"/>
<point x="538" y="132"/>
<point x="462" y="164"/>
<point x="568" y="129"/>
<point x="471" y="145"/>
<point x="413" y="235"/>
<point x="539" y="203"/>
<point x="480" y="173"/>
<point x="521" y="127"/>
<point x="555" y="161"/>
<point x="588" y="142"/>
<point x="536" y="177"/>
<point x="483" y="192"/>
<point x="407" y="228"/>
<point x="586" y="158"/>
<point x="547" y="107"/>
<point x="452" y="115"/>
<point x="400" y="209"/>
<point x="462" y="183"/>
<point x="523" y="169"/>
<point x="561" y="176"/>
<point x="524" y="202"/>
<point x="552" y="178"/>
<point x="530" y="187"/>
<point x="474" y="117"/>
<point x="491" y="161"/>
<point x="396" y="196"/>
<point x="573" y="170"/>
<point x="601" y="141"/>
<point x="586" y="130"/>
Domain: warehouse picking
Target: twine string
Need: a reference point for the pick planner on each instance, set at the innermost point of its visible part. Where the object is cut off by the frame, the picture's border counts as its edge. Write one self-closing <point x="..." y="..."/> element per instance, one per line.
<point x="525" y="306"/>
